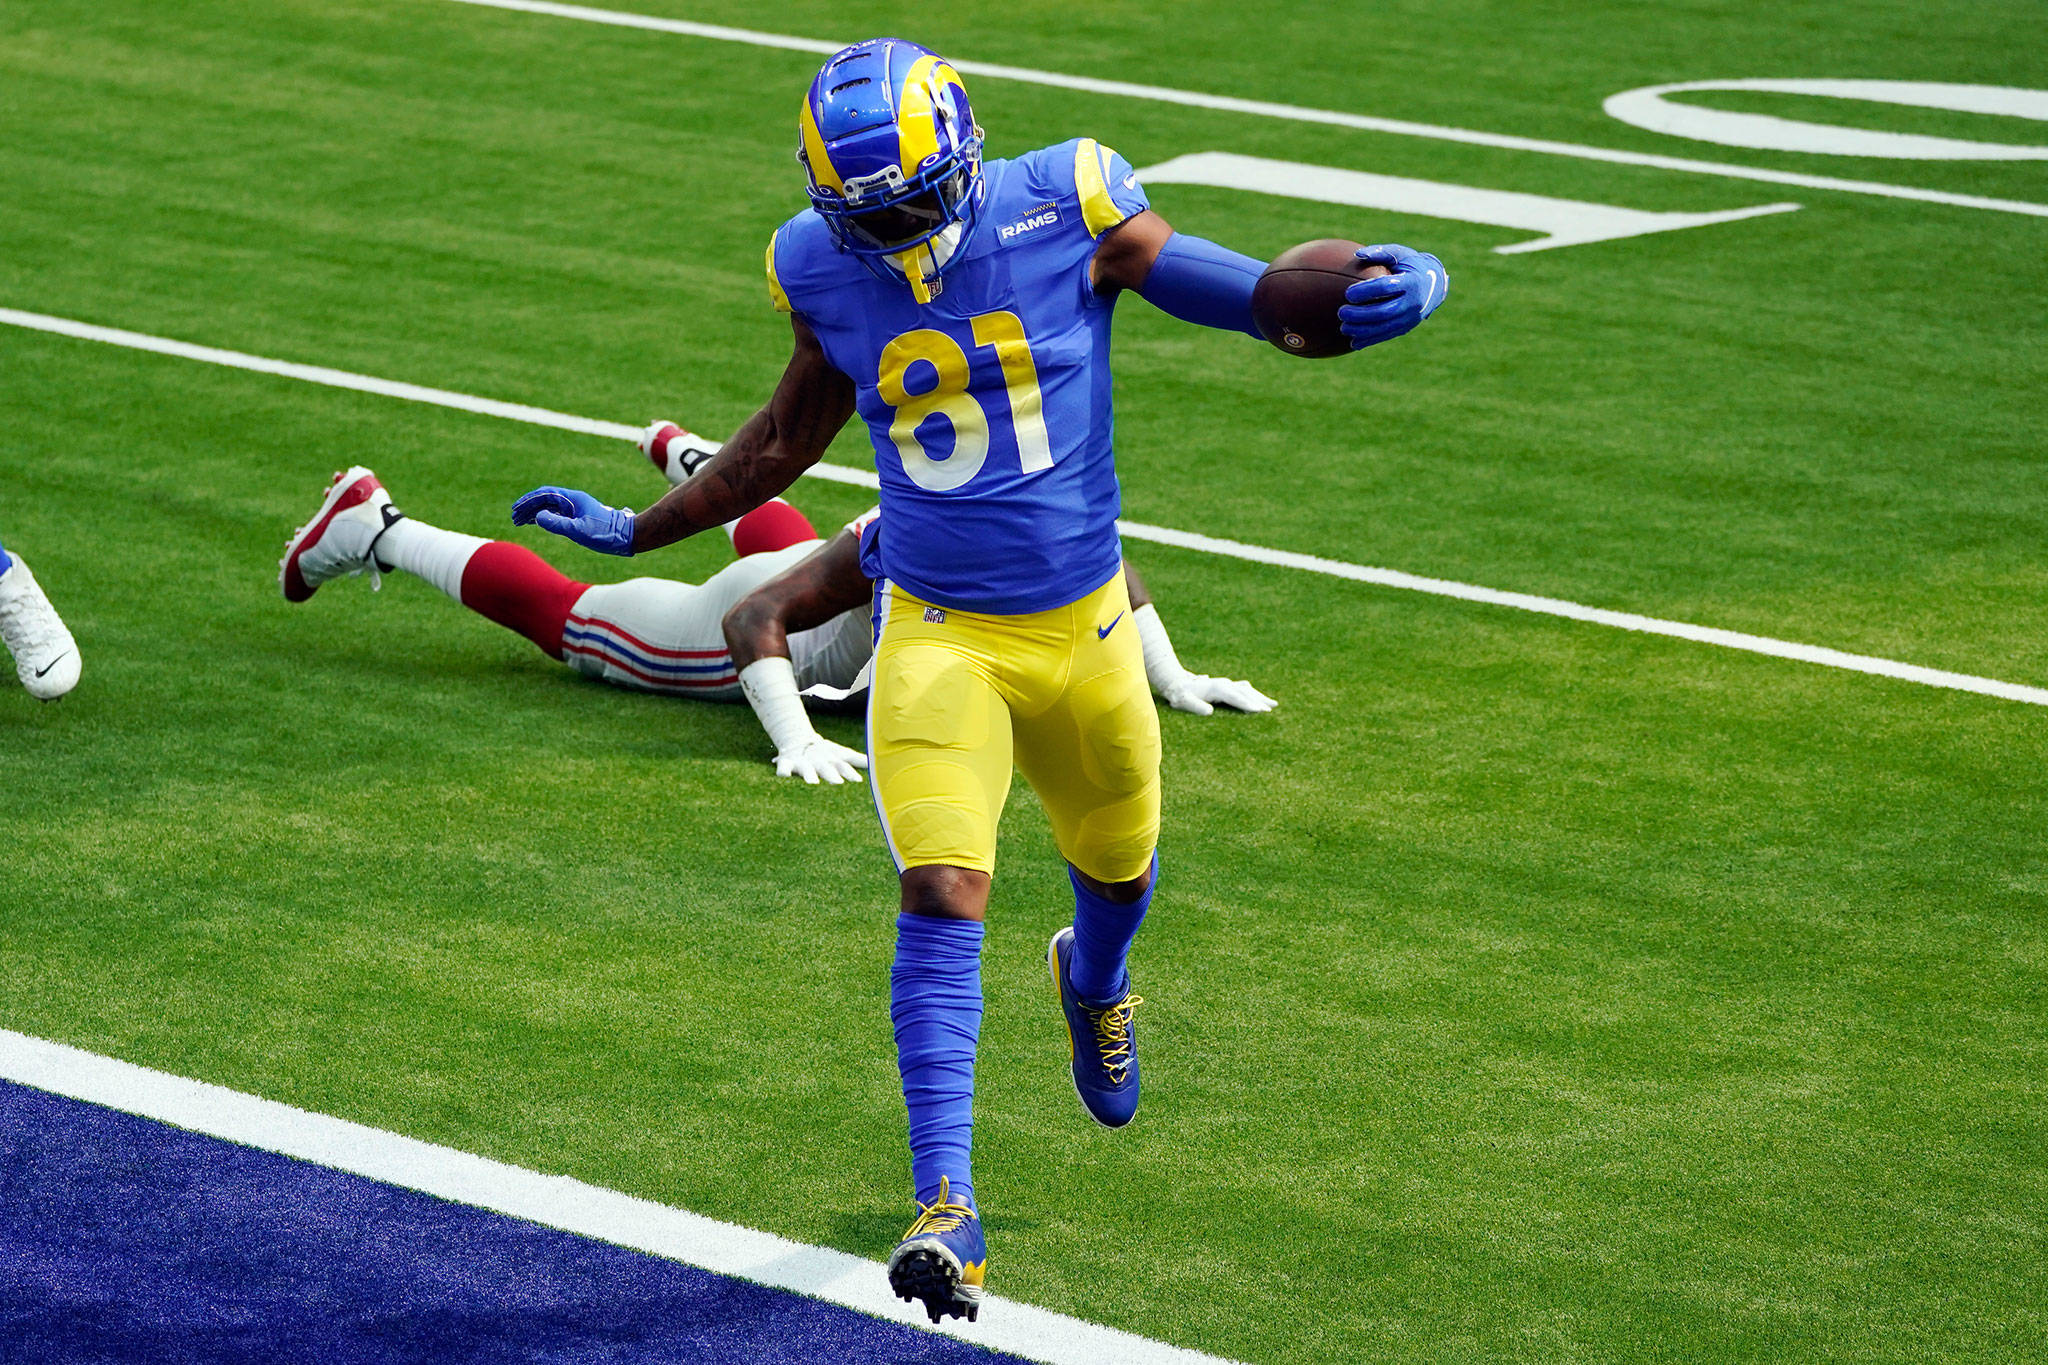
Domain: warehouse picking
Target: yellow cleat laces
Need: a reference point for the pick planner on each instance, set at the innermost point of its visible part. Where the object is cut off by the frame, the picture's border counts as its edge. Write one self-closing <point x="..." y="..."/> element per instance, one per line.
<point x="1113" y="1035"/>
<point x="943" y="1214"/>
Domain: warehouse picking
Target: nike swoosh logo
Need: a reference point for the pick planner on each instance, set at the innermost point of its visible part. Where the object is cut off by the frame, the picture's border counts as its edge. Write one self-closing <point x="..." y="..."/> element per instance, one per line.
<point x="67" y="653"/>
<point x="1102" y="632"/>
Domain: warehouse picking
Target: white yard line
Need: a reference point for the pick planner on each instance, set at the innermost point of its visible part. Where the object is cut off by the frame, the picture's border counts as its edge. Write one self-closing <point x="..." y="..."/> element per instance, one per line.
<point x="1298" y="113"/>
<point x="1620" y="620"/>
<point x="557" y="1201"/>
<point x="1134" y="530"/>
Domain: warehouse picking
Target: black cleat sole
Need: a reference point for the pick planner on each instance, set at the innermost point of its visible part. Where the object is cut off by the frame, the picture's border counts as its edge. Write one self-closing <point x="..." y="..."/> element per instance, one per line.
<point x="929" y="1277"/>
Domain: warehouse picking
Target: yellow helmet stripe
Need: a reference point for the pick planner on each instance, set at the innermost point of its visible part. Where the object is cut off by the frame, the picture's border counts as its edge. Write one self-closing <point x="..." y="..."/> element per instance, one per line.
<point x="820" y="160"/>
<point x="917" y="125"/>
<point x="1098" y="211"/>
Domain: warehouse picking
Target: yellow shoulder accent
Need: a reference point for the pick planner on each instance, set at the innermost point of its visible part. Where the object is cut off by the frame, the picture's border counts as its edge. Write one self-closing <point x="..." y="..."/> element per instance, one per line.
<point x="775" y="294"/>
<point x="1091" y="183"/>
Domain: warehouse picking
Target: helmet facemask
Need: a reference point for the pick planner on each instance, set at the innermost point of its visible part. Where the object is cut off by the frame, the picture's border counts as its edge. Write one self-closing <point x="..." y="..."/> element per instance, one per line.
<point x="903" y="220"/>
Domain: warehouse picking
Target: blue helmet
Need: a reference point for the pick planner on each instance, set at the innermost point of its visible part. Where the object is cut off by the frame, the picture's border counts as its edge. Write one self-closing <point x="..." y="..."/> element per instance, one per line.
<point x="893" y="155"/>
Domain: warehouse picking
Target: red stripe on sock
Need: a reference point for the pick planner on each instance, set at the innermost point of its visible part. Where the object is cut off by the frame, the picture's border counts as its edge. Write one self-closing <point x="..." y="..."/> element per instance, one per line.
<point x="774" y="525"/>
<point x="519" y="590"/>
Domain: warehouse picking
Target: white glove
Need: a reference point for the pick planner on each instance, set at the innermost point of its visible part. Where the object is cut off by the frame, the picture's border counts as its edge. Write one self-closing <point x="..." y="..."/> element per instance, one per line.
<point x="1196" y="693"/>
<point x="1199" y="694"/>
<point x="769" y="685"/>
<point x="820" y="759"/>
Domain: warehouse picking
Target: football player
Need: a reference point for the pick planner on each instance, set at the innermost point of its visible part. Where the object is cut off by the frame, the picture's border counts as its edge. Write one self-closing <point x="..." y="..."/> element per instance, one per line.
<point x="962" y="307"/>
<point x="662" y="635"/>
<point x="45" y="656"/>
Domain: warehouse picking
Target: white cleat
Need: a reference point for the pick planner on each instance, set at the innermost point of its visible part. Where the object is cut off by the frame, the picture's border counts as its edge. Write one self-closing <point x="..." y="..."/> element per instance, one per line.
<point x="45" y="656"/>
<point x="675" y="452"/>
<point x="337" y="542"/>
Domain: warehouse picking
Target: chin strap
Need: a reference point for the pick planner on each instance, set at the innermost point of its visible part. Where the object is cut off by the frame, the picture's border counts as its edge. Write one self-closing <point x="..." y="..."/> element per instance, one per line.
<point x="919" y="289"/>
<point x="922" y="263"/>
<point x="921" y="270"/>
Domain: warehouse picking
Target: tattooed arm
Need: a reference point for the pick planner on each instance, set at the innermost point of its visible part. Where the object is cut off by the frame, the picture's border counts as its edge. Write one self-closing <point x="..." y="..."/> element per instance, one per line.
<point x="763" y="457"/>
<point x="809" y="593"/>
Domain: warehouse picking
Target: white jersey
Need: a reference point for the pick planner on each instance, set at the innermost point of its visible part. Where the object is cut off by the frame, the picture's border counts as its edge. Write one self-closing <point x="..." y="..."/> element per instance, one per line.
<point x="659" y="635"/>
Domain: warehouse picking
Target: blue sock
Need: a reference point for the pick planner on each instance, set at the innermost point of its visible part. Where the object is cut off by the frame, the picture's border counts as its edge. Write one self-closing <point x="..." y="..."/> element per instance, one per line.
<point x="935" y="1001"/>
<point x="6" y="560"/>
<point x="1103" y="931"/>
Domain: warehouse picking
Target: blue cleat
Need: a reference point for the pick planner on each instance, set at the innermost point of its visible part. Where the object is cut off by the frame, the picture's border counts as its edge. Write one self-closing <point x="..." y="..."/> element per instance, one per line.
<point x="942" y="1259"/>
<point x="1105" y="1039"/>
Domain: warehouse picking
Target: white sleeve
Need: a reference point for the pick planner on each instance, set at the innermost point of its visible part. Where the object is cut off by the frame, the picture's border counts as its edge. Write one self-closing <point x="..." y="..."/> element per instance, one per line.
<point x="769" y="685"/>
<point x="1163" y="668"/>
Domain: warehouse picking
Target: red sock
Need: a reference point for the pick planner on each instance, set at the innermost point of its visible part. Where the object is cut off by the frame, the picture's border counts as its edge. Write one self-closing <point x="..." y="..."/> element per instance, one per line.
<point x="774" y="525"/>
<point x="519" y="590"/>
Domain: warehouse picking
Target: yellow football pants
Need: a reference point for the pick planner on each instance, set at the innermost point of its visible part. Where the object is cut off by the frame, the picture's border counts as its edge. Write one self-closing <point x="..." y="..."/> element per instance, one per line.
<point x="958" y="696"/>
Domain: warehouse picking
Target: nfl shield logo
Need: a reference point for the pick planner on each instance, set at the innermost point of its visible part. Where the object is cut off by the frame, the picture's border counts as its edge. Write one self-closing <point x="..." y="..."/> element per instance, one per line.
<point x="934" y="616"/>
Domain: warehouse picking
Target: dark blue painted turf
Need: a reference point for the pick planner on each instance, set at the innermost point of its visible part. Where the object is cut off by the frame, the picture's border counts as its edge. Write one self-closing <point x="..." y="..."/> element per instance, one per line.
<point x="125" y="1240"/>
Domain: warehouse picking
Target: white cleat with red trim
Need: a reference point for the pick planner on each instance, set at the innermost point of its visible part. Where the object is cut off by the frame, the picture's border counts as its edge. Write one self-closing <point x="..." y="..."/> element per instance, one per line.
<point x="337" y="542"/>
<point x="677" y="453"/>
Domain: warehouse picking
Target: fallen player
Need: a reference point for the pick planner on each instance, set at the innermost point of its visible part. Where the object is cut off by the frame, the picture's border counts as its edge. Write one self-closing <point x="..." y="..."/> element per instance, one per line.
<point x="744" y="632"/>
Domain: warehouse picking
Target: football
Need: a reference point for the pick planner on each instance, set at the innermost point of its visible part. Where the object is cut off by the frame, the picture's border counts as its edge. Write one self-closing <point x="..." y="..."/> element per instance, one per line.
<point x="1295" y="302"/>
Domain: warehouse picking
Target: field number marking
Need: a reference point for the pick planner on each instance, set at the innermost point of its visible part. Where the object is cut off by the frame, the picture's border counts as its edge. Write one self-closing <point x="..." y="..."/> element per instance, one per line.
<point x="1565" y="222"/>
<point x="1648" y="108"/>
<point x="1338" y="118"/>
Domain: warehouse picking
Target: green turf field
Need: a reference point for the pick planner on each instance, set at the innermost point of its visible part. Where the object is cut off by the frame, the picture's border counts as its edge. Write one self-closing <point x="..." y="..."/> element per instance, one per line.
<point x="1521" y="989"/>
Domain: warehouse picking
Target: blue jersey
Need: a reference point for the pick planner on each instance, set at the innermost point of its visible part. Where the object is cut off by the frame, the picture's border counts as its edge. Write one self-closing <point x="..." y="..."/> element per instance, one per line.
<point x="989" y="406"/>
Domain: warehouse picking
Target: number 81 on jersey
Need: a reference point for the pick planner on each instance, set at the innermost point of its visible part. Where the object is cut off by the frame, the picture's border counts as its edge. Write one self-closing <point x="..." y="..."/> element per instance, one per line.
<point x="949" y="397"/>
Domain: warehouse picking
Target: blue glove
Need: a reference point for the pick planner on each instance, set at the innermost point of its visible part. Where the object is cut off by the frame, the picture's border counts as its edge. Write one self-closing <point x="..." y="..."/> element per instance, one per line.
<point x="573" y="513"/>
<point x="1381" y="309"/>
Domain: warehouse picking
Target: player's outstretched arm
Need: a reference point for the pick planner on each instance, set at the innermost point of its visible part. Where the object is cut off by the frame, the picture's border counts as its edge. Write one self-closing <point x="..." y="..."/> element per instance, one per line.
<point x="822" y="585"/>
<point x="764" y="457"/>
<point x="1196" y="693"/>
<point x="1198" y="281"/>
<point x="1190" y="277"/>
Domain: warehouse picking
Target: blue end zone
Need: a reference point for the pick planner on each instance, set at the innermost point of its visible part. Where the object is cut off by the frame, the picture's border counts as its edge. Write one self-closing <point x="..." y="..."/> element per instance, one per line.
<point x="126" y="1240"/>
